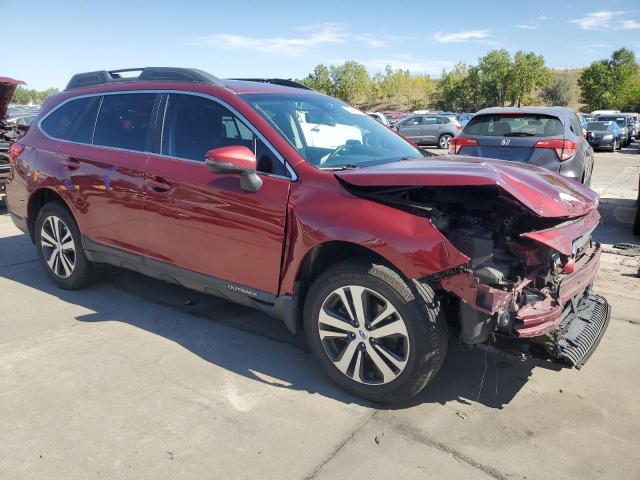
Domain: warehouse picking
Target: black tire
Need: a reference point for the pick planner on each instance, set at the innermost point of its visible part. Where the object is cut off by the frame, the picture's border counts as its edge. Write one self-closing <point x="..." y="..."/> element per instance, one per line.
<point x="636" y="222"/>
<point x="444" y="140"/>
<point x="417" y="307"/>
<point x="83" y="271"/>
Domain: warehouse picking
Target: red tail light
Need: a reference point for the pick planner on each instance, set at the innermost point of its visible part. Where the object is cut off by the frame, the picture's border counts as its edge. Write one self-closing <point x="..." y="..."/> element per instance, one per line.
<point x="458" y="142"/>
<point x="565" y="149"/>
<point x="14" y="151"/>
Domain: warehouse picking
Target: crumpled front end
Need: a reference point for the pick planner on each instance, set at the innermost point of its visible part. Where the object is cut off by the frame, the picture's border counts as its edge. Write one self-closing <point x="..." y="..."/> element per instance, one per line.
<point x="550" y="312"/>
<point x="527" y="281"/>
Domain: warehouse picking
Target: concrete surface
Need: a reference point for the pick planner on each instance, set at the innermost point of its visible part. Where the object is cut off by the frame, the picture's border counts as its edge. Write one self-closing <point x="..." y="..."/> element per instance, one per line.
<point x="134" y="378"/>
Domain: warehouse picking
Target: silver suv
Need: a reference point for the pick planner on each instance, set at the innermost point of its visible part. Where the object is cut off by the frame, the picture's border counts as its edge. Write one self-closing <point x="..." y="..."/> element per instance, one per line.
<point x="430" y="129"/>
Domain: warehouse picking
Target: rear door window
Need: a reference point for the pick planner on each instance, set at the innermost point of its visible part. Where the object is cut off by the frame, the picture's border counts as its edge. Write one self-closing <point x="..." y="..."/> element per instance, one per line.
<point x="123" y="121"/>
<point x="518" y="125"/>
<point x="73" y="121"/>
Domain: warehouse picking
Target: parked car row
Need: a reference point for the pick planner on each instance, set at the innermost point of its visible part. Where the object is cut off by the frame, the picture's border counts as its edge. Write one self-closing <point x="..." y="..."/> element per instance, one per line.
<point x="293" y="203"/>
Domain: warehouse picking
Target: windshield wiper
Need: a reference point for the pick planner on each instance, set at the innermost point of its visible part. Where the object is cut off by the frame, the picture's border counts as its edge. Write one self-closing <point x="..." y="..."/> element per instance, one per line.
<point x="346" y="166"/>
<point x="519" y="134"/>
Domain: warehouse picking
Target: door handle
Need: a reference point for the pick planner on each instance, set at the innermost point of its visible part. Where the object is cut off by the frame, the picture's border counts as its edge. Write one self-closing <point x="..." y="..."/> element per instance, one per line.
<point x="71" y="163"/>
<point x="158" y="184"/>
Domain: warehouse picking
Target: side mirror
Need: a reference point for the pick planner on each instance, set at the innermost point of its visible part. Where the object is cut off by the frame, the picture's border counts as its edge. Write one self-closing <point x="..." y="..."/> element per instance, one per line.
<point x="235" y="160"/>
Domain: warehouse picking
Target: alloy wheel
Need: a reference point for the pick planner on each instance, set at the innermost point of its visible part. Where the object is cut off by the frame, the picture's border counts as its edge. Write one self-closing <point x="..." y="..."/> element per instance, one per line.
<point x="444" y="141"/>
<point x="58" y="247"/>
<point x="363" y="334"/>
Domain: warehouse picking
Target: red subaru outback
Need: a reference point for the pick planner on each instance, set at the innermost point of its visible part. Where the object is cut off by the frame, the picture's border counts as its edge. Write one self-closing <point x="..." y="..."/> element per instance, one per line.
<point x="294" y="203"/>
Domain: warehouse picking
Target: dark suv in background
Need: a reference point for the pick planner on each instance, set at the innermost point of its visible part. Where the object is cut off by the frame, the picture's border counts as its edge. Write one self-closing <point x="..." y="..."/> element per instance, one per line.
<point x="552" y="138"/>
<point x="293" y="203"/>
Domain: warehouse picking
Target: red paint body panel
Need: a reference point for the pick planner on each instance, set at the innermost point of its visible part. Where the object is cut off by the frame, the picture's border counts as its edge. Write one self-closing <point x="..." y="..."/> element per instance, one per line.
<point x="561" y="237"/>
<point x="237" y="156"/>
<point x="545" y="193"/>
<point x="208" y="224"/>
<point x="323" y="212"/>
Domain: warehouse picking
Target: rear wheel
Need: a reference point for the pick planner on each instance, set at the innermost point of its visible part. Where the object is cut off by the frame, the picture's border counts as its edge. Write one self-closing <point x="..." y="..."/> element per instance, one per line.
<point x="444" y="140"/>
<point x="372" y="333"/>
<point x="59" y="247"/>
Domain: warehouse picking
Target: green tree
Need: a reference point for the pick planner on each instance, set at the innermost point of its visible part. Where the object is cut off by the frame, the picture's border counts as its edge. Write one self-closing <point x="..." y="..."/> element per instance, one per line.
<point x="611" y="83"/>
<point x="495" y="71"/>
<point x="528" y="72"/>
<point x="25" y="96"/>
<point x="351" y="82"/>
<point x="596" y="85"/>
<point x="320" y="80"/>
<point x="561" y="90"/>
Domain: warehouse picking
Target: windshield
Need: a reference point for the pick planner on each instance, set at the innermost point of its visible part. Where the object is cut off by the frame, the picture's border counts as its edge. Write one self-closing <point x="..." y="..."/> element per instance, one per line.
<point x="619" y="120"/>
<point x="597" y="126"/>
<point x="330" y="134"/>
<point x="514" y="125"/>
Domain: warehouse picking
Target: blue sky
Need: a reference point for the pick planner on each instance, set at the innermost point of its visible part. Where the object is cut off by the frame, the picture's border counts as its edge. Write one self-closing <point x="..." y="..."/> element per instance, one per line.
<point x="54" y="39"/>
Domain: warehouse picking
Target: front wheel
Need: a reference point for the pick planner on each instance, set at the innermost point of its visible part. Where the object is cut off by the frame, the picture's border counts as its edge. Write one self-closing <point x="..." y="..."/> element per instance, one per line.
<point x="59" y="247"/>
<point x="374" y="334"/>
<point x="444" y="140"/>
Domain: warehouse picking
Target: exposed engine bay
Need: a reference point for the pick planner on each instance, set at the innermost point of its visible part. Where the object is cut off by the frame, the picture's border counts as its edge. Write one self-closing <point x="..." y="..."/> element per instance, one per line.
<point x="514" y="289"/>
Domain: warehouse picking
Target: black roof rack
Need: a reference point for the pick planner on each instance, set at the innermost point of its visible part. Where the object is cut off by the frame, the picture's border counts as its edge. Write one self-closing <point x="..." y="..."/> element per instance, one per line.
<point x="166" y="74"/>
<point x="276" y="81"/>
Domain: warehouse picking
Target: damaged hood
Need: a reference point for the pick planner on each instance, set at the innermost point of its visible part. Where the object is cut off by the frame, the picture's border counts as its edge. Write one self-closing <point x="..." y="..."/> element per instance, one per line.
<point x="7" y="87"/>
<point x="545" y="193"/>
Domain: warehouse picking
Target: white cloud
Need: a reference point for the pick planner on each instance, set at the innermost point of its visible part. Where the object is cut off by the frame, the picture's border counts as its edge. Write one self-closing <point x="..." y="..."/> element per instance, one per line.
<point x="411" y="63"/>
<point x="629" y="24"/>
<point x="526" y="26"/>
<point x="597" y="20"/>
<point x="462" y="36"/>
<point x="290" y="46"/>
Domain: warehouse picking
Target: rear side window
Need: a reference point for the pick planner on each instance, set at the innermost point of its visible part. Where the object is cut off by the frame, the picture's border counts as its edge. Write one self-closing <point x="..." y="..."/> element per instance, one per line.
<point x="194" y="125"/>
<point x="123" y="121"/>
<point x="519" y="125"/>
<point x="412" y="121"/>
<point x="73" y="121"/>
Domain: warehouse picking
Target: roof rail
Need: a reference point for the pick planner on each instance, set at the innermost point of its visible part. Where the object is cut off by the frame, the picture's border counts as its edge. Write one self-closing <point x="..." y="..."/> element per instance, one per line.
<point x="154" y="74"/>
<point x="276" y="81"/>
